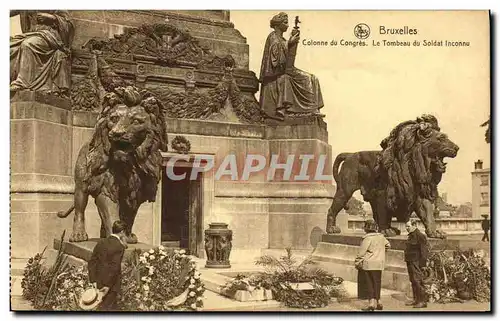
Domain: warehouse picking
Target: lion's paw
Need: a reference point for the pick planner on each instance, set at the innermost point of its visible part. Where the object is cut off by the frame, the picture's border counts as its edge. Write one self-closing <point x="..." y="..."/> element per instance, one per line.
<point x="78" y="236"/>
<point x="333" y="230"/>
<point x="131" y="239"/>
<point x="437" y="234"/>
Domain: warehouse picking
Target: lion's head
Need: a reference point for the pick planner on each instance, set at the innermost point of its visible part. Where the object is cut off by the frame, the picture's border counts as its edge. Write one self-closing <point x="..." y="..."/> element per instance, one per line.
<point x="412" y="162"/>
<point x="129" y="134"/>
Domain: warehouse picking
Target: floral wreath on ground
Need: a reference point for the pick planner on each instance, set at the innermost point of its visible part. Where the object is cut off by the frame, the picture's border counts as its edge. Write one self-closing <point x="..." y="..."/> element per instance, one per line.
<point x="283" y="276"/>
<point x="154" y="280"/>
<point x="161" y="280"/>
<point x="457" y="276"/>
<point x="55" y="287"/>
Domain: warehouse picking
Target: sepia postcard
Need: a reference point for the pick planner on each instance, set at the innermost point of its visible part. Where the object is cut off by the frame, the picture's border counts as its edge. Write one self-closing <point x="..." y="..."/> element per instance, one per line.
<point x="231" y="160"/>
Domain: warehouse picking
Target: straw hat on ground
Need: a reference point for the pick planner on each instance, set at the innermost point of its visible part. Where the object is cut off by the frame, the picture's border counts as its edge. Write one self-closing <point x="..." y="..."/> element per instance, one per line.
<point x="90" y="299"/>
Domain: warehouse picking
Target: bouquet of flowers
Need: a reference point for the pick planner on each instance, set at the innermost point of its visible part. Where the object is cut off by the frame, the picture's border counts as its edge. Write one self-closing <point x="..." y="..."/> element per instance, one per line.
<point x="161" y="280"/>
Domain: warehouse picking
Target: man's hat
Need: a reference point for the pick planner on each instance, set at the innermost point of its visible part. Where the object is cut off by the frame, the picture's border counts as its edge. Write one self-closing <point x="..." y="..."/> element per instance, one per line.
<point x="90" y="299"/>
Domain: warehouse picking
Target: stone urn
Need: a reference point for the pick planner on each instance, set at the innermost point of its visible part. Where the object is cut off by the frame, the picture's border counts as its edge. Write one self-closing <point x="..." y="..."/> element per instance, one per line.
<point x="218" y="244"/>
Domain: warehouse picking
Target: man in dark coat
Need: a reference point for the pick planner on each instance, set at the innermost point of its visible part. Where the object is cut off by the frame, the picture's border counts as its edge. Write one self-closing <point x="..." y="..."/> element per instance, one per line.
<point x="105" y="266"/>
<point x="416" y="255"/>
<point x="486" y="228"/>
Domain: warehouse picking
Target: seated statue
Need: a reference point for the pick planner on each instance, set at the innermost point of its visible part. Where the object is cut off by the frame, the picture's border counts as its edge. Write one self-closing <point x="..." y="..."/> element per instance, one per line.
<point x="285" y="88"/>
<point x="39" y="58"/>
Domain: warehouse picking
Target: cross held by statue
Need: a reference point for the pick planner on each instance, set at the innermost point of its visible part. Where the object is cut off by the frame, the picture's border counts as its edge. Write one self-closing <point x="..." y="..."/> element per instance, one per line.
<point x="297" y="21"/>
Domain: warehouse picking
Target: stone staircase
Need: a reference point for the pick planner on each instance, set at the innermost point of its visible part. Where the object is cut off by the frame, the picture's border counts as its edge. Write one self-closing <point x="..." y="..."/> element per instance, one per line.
<point x="17" y="266"/>
<point x="336" y="254"/>
<point x="214" y="279"/>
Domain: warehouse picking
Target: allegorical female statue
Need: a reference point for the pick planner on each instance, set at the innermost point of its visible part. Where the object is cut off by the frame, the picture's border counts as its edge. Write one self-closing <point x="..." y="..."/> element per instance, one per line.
<point x="285" y="88"/>
<point x="40" y="57"/>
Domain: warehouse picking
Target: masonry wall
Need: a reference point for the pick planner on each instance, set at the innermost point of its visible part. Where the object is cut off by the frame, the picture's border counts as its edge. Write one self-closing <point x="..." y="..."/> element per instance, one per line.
<point x="481" y="190"/>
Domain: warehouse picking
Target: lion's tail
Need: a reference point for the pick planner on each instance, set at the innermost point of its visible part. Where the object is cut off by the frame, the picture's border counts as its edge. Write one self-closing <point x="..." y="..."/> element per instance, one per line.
<point x="338" y="160"/>
<point x="62" y="214"/>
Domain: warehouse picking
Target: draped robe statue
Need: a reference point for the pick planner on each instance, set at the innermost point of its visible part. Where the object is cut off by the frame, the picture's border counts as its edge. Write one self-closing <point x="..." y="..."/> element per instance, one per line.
<point x="40" y="57"/>
<point x="285" y="88"/>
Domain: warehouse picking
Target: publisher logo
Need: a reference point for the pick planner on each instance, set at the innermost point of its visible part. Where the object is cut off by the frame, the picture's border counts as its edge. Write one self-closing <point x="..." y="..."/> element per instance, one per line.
<point x="362" y="31"/>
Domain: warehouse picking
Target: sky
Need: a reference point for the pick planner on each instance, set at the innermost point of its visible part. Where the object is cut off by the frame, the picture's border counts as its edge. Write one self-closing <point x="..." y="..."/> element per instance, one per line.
<point x="369" y="90"/>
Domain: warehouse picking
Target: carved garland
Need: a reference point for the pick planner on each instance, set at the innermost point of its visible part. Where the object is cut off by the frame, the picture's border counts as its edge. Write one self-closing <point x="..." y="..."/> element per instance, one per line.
<point x="204" y="104"/>
<point x="87" y="94"/>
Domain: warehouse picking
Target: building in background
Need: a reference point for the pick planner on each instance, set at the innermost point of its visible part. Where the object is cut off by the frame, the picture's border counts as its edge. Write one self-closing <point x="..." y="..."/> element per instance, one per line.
<point x="481" y="182"/>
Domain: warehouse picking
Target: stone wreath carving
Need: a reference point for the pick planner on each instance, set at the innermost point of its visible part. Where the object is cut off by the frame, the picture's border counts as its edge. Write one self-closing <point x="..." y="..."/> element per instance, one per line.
<point x="181" y="145"/>
<point x="166" y="43"/>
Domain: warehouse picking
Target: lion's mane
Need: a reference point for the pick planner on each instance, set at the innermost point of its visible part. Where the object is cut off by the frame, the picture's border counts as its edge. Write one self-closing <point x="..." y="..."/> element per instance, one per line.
<point x="405" y="165"/>
<point x="143" y="171"/>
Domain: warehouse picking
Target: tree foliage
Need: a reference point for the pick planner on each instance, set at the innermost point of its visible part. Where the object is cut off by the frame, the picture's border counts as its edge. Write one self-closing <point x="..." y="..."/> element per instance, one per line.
<point x="487" y="134"/>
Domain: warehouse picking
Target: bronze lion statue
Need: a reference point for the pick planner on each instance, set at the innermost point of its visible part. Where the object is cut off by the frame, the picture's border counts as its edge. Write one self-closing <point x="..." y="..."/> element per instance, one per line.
<point x="399" y="180"/>
<point x="120" y="167"/>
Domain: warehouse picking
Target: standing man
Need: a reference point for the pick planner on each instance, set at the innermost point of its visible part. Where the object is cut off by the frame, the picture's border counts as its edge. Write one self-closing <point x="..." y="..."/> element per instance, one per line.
<point x="105" y="266"/>
<point x="416" y="255"/>
<point x="486" y="228"/>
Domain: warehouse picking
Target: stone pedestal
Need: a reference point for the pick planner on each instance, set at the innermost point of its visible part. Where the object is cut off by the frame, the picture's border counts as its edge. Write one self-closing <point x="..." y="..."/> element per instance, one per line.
<point x="397" y="243"/>
<point x="83" y="250"/>
<point x="452" y="226"/>
<point x="41" y="170"/>
<point x="336" y="253"/>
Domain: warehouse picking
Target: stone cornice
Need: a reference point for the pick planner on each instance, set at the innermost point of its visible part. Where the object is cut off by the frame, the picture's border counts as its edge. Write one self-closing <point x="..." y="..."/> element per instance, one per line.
<point x="185" y="17"/>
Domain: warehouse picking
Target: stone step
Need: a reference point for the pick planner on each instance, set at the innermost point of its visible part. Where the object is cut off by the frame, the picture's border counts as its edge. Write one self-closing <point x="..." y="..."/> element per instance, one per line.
<point x="213" y="301"/>
<point x="17" y="303"/>
<point x="339" y="260"/>
<point x="172" y="244"/>
<point x="15" y="286"/>
<point x="17" y="266"/>
<point x="83" y="250"/>
<point x="214" y="281"/>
